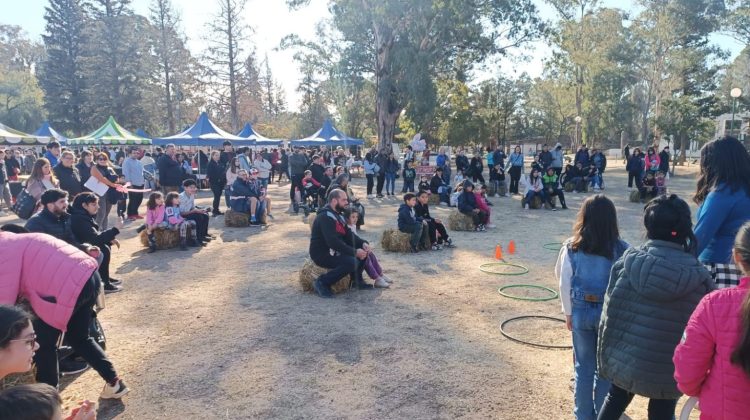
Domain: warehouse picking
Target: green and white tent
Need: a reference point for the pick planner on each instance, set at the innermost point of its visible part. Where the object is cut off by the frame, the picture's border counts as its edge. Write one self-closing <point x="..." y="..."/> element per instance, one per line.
<point x="12" y="137"/>
<point x="110" y="133"/>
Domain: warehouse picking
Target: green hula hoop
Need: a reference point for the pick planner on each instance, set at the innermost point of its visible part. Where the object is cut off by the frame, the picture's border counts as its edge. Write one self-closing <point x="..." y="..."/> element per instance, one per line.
<point x="553" y="246"/>
<point x="530" y="286"/>
<point x="486" y="268"/>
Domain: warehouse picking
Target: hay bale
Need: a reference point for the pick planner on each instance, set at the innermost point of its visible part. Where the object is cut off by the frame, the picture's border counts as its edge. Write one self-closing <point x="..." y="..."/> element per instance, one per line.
<point x="536" y="202"/>
<point x="502" y="189"/>
<point x="165" y="238"/>
<point x="310" y="272"/>
<point x="554" y="203"/>
<point x="635" y="196"/>
<point x="434" y="199"/>
<point x="460" y="222"/>
<point x="569" y="186"/>
<point x="236" y="219"/>
<point x="394" y="240"/>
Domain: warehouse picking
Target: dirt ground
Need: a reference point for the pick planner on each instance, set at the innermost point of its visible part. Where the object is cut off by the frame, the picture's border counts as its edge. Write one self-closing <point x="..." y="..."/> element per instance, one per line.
<point x="225" y="332"/>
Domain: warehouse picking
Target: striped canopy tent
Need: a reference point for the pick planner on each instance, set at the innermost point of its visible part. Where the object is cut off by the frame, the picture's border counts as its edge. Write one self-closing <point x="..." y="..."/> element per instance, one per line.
<point x="46" y="131"/>
<point x="12" y="137"/>
<point x="258" y="140"/>
<point x="328" y="135"/>
<point x="110" y="133"/>
<point x="203" y="133"/>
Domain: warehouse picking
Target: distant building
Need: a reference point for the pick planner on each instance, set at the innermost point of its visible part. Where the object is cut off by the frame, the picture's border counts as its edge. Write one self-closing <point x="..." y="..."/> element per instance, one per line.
<point x="724" y="125"/>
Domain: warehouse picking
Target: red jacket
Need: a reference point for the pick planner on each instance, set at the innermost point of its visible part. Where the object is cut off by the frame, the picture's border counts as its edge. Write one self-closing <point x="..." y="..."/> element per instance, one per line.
<point x="701" y="360"/>
<point x="46" y="271"/>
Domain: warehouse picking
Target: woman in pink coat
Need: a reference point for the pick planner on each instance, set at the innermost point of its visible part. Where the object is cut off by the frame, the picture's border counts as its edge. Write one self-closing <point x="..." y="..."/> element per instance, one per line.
<point x="713" y="360"/>
<point x="61" y="283"/>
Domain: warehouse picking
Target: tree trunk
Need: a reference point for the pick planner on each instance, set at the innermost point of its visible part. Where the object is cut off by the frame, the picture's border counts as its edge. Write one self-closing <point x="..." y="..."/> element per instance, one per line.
<point x="232" y="69"/>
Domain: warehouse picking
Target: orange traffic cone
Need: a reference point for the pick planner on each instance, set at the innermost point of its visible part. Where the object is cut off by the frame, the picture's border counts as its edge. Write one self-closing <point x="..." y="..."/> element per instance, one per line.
<point x="498" y="252"/>
<point x="512" y="247"/>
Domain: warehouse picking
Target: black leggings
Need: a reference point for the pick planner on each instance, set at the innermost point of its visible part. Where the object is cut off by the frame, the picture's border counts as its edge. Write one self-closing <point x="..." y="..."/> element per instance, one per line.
<point x="515" y="176"/>
<point x="218" y="191"/>
<point x="77" y="336"/>
<point x="477" y="177"/>
<point x="634" y="176"/>
<point x="370" y="182"/>
<point x="618" y="400"/>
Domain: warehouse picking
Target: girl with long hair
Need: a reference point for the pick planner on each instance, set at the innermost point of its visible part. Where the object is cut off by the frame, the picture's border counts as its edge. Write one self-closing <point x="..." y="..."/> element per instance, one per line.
<point x="652" y="291"/>
<point x="105" y="173"/>
<point x="582" y="270"/>
<point x="723" y="194"/>
<point x="41" y="179"/>
<point x="713" y="360"/>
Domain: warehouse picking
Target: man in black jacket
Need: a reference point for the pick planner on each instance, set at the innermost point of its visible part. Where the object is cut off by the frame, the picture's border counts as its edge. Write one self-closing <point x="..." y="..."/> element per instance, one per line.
<point x="83" y="224"/>
<point x="170" y="172"/>
<point x="54" y="220"/>
<point x="297" y="166"/>
<point x="330" y="234"/>
<point x="382" y="160"/>
<point x="67" y="174"/>
<point x="664" y="161"/>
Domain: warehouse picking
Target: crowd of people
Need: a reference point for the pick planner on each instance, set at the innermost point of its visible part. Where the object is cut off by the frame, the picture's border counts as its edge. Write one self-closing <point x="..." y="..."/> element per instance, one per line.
<point x="647" y="320"/>
<point x="672" y="347"/>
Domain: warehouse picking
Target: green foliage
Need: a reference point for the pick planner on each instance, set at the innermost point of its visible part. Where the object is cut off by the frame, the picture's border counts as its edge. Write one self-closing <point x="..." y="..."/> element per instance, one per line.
<point x="21" y="103"/>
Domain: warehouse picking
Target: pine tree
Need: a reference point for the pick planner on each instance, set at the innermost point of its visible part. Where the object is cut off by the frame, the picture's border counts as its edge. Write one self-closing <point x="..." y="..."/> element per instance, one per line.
<point x="225" y="67"/>
<point x="268" y="89"/>
<point x="61" y="73"/>
<point x="118" y="66"/>
<point x="171" y="55"/>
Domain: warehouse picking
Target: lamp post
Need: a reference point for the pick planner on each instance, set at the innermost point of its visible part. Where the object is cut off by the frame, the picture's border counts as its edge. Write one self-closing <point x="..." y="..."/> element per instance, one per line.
<point x="578" y="120"/>
<point x="734" y="93"/>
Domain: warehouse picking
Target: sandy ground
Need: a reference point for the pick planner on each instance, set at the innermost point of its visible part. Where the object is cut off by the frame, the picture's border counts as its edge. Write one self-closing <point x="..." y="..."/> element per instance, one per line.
<point x="225" y="332"/>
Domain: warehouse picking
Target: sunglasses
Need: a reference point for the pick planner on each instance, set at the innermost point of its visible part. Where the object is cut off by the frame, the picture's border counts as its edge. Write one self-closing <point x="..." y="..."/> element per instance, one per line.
<point x="102" y="159"/>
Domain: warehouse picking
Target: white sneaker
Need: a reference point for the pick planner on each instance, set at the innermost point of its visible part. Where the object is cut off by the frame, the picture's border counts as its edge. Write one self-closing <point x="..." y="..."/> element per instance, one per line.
<point x="491" y="226"/>
<point x="381" y="283"/>
<point x="526" y="207"/>
<point x="497" y="195"/>
<point x="114" y="392"/>
<point x="386" y="278"/>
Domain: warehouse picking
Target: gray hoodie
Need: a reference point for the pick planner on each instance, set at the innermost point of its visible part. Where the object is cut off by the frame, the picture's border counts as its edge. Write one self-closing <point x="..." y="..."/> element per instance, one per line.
<point x="557" y="156"/>
<point x="653" y="289"/>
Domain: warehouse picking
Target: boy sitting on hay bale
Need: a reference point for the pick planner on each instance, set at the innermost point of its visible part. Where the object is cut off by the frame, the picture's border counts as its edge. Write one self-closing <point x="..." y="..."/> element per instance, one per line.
<point x="408" y="222"/>
<point x="467" y="205"/>
<point x="335" y="247"/>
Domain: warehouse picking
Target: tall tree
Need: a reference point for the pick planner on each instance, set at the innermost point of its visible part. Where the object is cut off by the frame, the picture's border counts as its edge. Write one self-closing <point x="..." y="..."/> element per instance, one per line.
<point x="227" y="33"/>
<point x="313" y="110"/>
<point x="61" y="73"/>
<point x="170" y="51"/>
<point x="405" y="44"/>
<point x="268" y="87"/>
<point x="118" y="66"/>
<point x="21" y="104"/>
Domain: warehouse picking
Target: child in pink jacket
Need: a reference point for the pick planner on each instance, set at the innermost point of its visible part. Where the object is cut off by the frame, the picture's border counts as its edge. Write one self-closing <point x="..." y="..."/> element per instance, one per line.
<point x="713" y="360"/>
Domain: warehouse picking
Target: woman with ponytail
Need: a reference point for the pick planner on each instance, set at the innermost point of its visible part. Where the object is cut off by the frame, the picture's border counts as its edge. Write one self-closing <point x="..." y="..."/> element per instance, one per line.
<point x="713" y="360"/>
<point x="652" y="291"/>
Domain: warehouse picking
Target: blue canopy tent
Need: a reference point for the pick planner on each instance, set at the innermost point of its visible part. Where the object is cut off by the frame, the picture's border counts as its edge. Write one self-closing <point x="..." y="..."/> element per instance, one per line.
<point x="140" y="132"/>
<point x="203" y="133"/>
<point x="328" y="136"/>
<point x="258" y="140"/>
<point x="46" y="131"/>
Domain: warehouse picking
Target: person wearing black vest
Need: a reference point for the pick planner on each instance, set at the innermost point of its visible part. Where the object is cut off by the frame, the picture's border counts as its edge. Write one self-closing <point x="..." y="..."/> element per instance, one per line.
<point x="67" y="174"/>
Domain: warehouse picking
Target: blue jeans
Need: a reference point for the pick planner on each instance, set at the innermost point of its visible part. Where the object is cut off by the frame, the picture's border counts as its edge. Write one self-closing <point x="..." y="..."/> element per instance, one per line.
<point x="263" y="182"/>
<point x="390" y="183"/>
<point x="408" y="186"/>
<point x="596" y="181"/>
<point x="531" y="193"/>
<point x="590" y="389"/>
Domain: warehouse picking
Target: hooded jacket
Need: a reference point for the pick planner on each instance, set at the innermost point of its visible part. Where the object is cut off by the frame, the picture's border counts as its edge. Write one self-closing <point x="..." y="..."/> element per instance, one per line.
<point x="407" y="216"/>
<point x="652" y="291"/>
<point x="59" y="227"/>
<point x="466" y="200"/>
<point x="86" y="230"/>
<point x="47" y="271"/>
<point x="557" y="156"/>
<point x="702" y="362"/>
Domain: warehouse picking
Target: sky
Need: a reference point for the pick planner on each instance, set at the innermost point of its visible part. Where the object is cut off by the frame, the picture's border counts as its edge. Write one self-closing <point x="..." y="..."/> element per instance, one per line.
<point x="271" y="20"/>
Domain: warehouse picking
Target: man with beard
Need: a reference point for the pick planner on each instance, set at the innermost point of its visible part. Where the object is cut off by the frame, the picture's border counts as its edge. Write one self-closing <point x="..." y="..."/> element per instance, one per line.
<point x="334" y="246"/>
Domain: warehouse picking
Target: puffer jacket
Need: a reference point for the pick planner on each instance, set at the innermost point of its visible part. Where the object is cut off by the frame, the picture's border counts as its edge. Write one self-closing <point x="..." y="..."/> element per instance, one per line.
<point x="46" y="271"/>
<point x="702" y="361"/>
<point x="652" y="291"/>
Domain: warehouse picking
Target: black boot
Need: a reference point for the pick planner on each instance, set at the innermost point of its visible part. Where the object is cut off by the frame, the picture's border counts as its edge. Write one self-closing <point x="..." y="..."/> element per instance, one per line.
<point x="151" y="243"/>
<point x="183" y="245"/>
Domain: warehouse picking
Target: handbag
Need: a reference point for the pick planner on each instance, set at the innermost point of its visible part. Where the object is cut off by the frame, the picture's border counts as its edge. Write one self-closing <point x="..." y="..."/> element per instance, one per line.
<point x="25" y="205"/>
